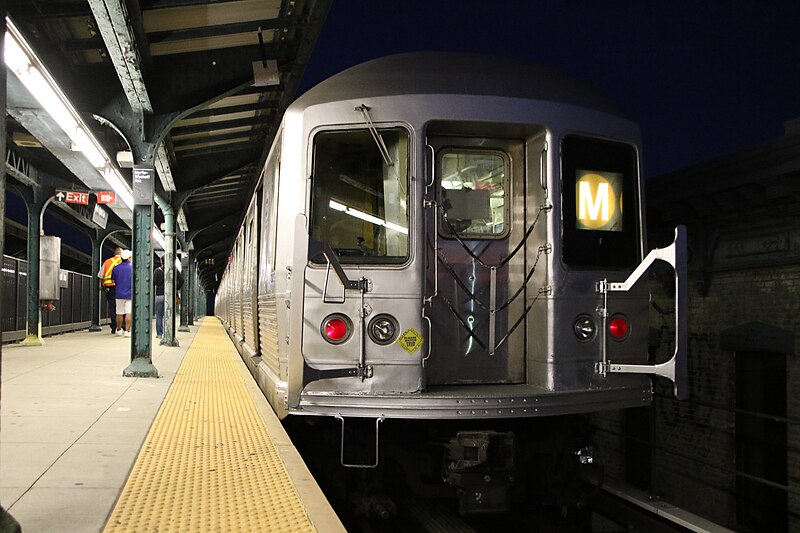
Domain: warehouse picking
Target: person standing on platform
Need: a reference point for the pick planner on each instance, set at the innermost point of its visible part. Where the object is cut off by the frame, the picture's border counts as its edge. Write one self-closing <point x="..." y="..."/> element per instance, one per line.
<point x="107" y="285"/>
<point x="158" y="285"/>
<point x="123" y="281"/>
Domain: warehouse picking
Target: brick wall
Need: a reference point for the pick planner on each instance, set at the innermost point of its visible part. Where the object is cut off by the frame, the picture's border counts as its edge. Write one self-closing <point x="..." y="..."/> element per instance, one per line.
<point x="695" y="462"/>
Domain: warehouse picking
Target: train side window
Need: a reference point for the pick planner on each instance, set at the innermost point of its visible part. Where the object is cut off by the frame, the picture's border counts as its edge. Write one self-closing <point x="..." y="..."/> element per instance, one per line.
<point x="269" y="219"/>
<point x="359" y="200"/>
<point x="472" y="193"/>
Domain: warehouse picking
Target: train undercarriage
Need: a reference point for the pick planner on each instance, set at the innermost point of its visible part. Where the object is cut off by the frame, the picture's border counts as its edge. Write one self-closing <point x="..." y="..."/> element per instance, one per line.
<point x="487" y="466"/>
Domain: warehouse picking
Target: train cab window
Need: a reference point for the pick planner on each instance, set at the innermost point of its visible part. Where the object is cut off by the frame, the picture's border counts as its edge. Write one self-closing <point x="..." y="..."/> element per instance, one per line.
<point x="472" y="193"/>
<point x="600" y="203"/>
<point x="359" y="202"/>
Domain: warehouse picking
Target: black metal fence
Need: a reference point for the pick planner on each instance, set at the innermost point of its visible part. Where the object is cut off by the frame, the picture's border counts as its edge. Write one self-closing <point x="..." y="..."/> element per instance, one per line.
<point x="72" y="311"/>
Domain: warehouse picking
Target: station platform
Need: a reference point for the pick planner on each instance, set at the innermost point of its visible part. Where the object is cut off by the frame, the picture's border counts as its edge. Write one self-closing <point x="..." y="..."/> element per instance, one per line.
<point x="84" y="449"/>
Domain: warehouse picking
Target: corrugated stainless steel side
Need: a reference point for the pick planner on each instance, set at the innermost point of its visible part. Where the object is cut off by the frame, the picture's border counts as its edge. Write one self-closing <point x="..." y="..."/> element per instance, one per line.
<point x="237" y="291"/>
<point x="268" y="331"/>
<point x="249" y="270"/>
<point x="248" y="331"/>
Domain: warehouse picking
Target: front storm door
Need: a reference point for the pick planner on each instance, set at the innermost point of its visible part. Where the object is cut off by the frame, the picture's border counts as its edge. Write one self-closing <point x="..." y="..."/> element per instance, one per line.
<point x="475" y="224"/>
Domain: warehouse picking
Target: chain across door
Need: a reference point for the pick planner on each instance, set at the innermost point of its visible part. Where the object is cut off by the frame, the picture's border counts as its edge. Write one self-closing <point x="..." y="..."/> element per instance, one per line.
<point x="474" y="228"/>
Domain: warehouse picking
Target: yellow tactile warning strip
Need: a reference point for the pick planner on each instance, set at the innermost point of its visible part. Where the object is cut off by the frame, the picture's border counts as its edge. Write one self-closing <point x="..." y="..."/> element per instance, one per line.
<point x="208" y="463"/>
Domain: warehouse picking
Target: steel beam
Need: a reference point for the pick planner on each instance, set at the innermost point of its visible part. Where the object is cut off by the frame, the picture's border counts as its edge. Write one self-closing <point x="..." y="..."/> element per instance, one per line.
<point x="112" y="21"/>
<point x="255" y="121"/>
<point x="229" y="110"/>
<point x="21" y="170"/>
<point x="236" y="137"/>
<point x="34" y="119"/>
<point x="251" y="26"/>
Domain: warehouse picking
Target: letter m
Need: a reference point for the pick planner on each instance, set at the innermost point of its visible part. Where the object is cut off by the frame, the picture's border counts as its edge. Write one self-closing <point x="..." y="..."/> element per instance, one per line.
<point x="592" y="207"/>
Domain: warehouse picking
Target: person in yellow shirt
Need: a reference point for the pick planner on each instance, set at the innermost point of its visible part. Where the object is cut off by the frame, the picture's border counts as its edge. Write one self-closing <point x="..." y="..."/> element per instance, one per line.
<point x="107" y="285"/>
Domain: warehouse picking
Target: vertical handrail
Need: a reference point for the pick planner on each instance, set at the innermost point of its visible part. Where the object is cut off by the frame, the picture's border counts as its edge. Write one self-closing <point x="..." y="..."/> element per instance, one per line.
<point x="431" y="207"/>
<point x="492" y="308"/>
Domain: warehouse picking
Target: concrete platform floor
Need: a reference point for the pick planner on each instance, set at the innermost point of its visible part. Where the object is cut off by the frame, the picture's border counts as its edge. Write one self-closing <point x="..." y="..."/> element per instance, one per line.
<point x="71" y="426"/>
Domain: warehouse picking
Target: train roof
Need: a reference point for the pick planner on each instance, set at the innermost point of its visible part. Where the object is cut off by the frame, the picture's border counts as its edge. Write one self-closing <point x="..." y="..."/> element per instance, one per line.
<point x="454" y="73"/>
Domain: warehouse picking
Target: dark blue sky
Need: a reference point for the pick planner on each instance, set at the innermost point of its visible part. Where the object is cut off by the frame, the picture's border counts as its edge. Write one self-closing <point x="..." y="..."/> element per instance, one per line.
<point x="702" y="78"/>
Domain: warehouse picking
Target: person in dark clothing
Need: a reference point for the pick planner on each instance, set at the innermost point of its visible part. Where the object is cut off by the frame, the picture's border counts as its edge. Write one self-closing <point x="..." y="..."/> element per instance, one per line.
<point x="123" y="279"/>
<point x="158" y="285"/>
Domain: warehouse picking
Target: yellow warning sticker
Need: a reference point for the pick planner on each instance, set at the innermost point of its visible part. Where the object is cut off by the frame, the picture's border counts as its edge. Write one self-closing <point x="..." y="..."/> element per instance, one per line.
<point x="411" y="340"/>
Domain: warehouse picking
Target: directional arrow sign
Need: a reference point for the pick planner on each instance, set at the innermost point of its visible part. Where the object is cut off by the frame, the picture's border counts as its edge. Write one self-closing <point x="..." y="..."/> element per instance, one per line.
<point x="60" y="196"/>
<point x="106" y="197"/>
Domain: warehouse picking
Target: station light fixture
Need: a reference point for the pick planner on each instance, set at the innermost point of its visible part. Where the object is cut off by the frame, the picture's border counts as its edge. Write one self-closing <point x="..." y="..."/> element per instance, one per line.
<point x="28" y="68"/>
<point x="25" y="65"/>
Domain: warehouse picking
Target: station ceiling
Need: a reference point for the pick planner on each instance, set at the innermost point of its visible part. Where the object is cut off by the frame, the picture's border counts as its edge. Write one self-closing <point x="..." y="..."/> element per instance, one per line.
<point x="181" y="72"/>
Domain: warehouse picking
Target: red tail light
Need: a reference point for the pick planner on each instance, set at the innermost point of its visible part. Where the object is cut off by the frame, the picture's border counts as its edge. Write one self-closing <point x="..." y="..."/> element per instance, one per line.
<point x="618" y="327"/>
<point x="336" y="329"/>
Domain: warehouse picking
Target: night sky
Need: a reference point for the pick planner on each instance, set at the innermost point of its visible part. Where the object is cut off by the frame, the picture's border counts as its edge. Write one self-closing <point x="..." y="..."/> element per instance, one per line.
<point x="702" y="78"/>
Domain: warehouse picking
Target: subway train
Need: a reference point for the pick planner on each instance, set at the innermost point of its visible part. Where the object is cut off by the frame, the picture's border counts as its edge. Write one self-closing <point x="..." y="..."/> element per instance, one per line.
<point x="454" y="240"/>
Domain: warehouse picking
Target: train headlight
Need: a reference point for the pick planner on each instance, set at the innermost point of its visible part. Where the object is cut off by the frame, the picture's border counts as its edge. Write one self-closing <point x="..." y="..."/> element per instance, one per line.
<point x="336" y="328"/>
<point x="383" y="329"/>
<point x="618" y="327"/>
<point x="584" y="328"/>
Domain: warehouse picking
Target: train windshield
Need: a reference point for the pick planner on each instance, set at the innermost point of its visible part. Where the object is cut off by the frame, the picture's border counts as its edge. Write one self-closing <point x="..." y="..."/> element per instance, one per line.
<point x="359" y="202"/>
<point x="600" y="203"/>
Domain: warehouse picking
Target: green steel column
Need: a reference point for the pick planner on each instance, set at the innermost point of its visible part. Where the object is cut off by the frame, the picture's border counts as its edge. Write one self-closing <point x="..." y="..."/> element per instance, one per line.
<point x="141" y="335"/>
<point x="190" y="281"/>
<point x="184" y="327"/>
<point x="33" y="336"/>
<point x="200" y="296"/>
<point x="168" y="338"/>
<point x="94" y="284"/>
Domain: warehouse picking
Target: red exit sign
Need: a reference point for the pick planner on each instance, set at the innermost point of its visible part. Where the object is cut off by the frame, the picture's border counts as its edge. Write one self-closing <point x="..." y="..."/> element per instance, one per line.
<point x="78" y="197"/>
<point x="73" y="197"/>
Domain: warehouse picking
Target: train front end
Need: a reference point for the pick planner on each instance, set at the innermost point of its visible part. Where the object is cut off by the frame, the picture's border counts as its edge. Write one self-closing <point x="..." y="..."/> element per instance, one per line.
<point x="456" y="245"/>
<point x="460" y="255"/>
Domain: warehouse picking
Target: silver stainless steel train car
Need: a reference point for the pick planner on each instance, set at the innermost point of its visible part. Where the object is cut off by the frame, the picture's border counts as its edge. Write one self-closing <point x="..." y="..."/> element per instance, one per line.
<point x="443" y="236"/>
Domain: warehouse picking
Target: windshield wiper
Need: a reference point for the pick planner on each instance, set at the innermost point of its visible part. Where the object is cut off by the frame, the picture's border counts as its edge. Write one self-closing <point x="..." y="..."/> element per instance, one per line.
<point x="375" y="135"/>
